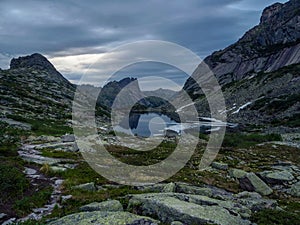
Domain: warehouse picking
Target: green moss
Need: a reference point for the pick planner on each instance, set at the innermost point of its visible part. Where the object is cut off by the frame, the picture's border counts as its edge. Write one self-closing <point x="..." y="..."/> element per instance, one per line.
<point x="241" y="140"/>
<point x="13" y="182"/>
<point x="140" y="158"/>
<point x="61" y="154"/>
<point x="44" y="126"/>
<point x="38" y="199"/>
<point x="270" y="217"/>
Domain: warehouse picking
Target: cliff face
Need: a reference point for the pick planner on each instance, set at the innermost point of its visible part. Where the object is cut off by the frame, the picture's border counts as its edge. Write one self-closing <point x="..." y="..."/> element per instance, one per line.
<point x="271" y="45"/>
<point x="259" y="74"/>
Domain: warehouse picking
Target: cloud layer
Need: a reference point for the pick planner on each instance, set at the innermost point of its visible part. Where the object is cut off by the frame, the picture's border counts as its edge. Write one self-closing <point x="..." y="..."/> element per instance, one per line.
<point x="73" y="33"/>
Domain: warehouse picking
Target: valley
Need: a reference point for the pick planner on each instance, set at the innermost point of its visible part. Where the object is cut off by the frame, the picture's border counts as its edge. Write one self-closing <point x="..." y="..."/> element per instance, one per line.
<point x="46" y="178"/>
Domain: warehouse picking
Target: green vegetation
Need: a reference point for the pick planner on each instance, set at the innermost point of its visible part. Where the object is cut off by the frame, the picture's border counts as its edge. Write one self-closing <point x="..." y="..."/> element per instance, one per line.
<point x="44" y="126"/>
<point x="61" y="154"/>
<point x="293" y="121"/>
<point x="241" y="140"/>
<point x="270" y="217"/>
<point x="140" y="158"/>
<point x="36" y="200"/>
<point x="13" y="183"/>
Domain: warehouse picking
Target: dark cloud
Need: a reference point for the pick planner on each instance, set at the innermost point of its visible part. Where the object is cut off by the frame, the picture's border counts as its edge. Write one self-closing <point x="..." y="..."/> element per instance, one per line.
<point x="65" y="28"/>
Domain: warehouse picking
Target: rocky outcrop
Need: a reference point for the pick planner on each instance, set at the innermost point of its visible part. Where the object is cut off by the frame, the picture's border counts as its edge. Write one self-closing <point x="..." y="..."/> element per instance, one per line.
<point x="295" y="189"/>
<point x="259" y="71"/>
<point x="108" y="206"/>
<point x="37" y="61"/>
<point x="102" y="217"/>
<point x="271" y="45"/>
<point x="251" y="182"/>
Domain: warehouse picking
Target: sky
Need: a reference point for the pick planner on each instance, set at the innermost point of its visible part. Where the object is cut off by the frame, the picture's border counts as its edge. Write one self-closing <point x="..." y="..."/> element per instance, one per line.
<point x="74" y="34"/>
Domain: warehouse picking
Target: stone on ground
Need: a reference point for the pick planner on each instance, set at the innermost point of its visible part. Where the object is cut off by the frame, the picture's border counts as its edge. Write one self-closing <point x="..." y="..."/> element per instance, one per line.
<point x="277" y="177"/>
<point x="109" y="206"/>
<point x="188" y="209"/>
<point x="87" y="187"/>
<point x="236" y="173"/>
<point x="103" y="218"/>
<point x="219" y="166"/>
<point x="251" y="182"/>
<point x="295" y="190"/>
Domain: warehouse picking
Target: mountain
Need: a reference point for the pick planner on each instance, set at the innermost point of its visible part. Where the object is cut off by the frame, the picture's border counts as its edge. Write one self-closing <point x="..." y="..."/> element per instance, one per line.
<point x="260" y="71"/>
<point x="163" y="93"/>
<point x="129" y="91"/>
<point x="32" y="86"/>
<point x="33" y="93"/>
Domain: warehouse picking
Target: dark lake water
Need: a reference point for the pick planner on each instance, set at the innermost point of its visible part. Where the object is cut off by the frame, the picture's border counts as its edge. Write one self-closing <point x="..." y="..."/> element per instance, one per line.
<point x="146" y="124"/>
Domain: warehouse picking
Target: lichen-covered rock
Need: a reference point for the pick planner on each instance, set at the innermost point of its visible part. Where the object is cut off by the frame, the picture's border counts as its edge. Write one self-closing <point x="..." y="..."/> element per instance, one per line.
<point x="276" y="177"/>
<point x="110" y="206"/>
<point x="189" y="189"/>
<point x="189" y="209"/>
<point x="170" y="187"/>
<point x="251" y="182"/>
<point x="254" y="201"/>
<point x="295" y="189"/>
<point x="176" y="223"/>
<point x="87" y="187"/>
<point x="103" y="218"/>
<point x="219" y="166"/>
<point x="237" y="173"/>
<point x="68" y="138"/>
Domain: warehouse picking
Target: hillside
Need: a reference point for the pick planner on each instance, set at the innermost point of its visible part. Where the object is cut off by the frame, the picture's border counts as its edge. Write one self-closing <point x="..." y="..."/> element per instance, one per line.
<point x="259" y="73"/>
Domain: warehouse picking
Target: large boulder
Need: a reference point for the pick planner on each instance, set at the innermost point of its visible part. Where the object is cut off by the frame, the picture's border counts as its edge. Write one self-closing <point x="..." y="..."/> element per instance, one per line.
<point x="251" y="182"/>
<point x="86" y="187"/>
<point x="237" y="173"/>
<point x="189" y="189"/>
<point x="219" y="166"/>
<point x="68" y="138"/>
<point x="109" y="206"/>
<point x="111" y="218"/>
<point x="188" y="209"/>
<point x="295" y="189"/>
<point x="277" y="177"/>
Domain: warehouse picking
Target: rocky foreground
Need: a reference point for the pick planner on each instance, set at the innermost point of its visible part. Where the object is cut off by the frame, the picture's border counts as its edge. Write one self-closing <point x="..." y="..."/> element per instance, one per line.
<point x="259" y="188"/>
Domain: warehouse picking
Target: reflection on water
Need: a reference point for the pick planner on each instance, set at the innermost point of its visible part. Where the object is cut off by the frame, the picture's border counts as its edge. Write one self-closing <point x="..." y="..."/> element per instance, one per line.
<point x="145" y="124"/>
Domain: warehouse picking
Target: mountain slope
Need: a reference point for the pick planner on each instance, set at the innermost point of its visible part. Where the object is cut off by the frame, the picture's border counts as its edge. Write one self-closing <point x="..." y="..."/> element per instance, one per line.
<point x="259" y="74"/>
<point x="33" y="93"/>
<point x="271" y="45"/>
<point x="33" y="86"/>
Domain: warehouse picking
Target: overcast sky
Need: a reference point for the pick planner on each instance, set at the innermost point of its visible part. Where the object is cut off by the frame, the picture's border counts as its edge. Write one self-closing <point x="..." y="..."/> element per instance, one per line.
<point x="73" y="34"/>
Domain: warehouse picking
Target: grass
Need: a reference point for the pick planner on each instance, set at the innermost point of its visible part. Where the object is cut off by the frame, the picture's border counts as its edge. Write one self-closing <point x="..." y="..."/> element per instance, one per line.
<point x="61" y="154"/>
<point x="140" y="158"/>
<point x="270" y="217"/>
<point x="36" y="200"/>
<point x="243" y="140"/>
<point x="44" y="126"/>
<point x="13" y="183"/>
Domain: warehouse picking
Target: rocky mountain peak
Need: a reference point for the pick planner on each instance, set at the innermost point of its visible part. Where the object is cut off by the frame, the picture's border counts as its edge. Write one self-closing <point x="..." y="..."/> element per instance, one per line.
<point x="269" y="46"/>
<point x="270" y="11"/>
<point x="38" y="62"/>
<point x="35" y="60"/>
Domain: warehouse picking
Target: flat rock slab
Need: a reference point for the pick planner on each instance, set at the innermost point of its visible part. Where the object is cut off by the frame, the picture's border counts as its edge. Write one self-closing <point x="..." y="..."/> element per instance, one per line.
<point x="103" y="218"/>
<point x="108" y="206"/>
<point x="277" y="177"/>
<point x="219" y="166"/>
<point x="188" y="209"/>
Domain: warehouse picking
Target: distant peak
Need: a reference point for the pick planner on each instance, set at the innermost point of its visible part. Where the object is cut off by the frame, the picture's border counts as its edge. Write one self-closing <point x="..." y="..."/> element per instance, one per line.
<point x="35" y="60"/>
<point x="270" y="11"/>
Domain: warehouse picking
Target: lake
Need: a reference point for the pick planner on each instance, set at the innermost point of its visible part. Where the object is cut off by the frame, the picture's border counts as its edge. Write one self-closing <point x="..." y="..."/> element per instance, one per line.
<point x="146" y="124"/>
